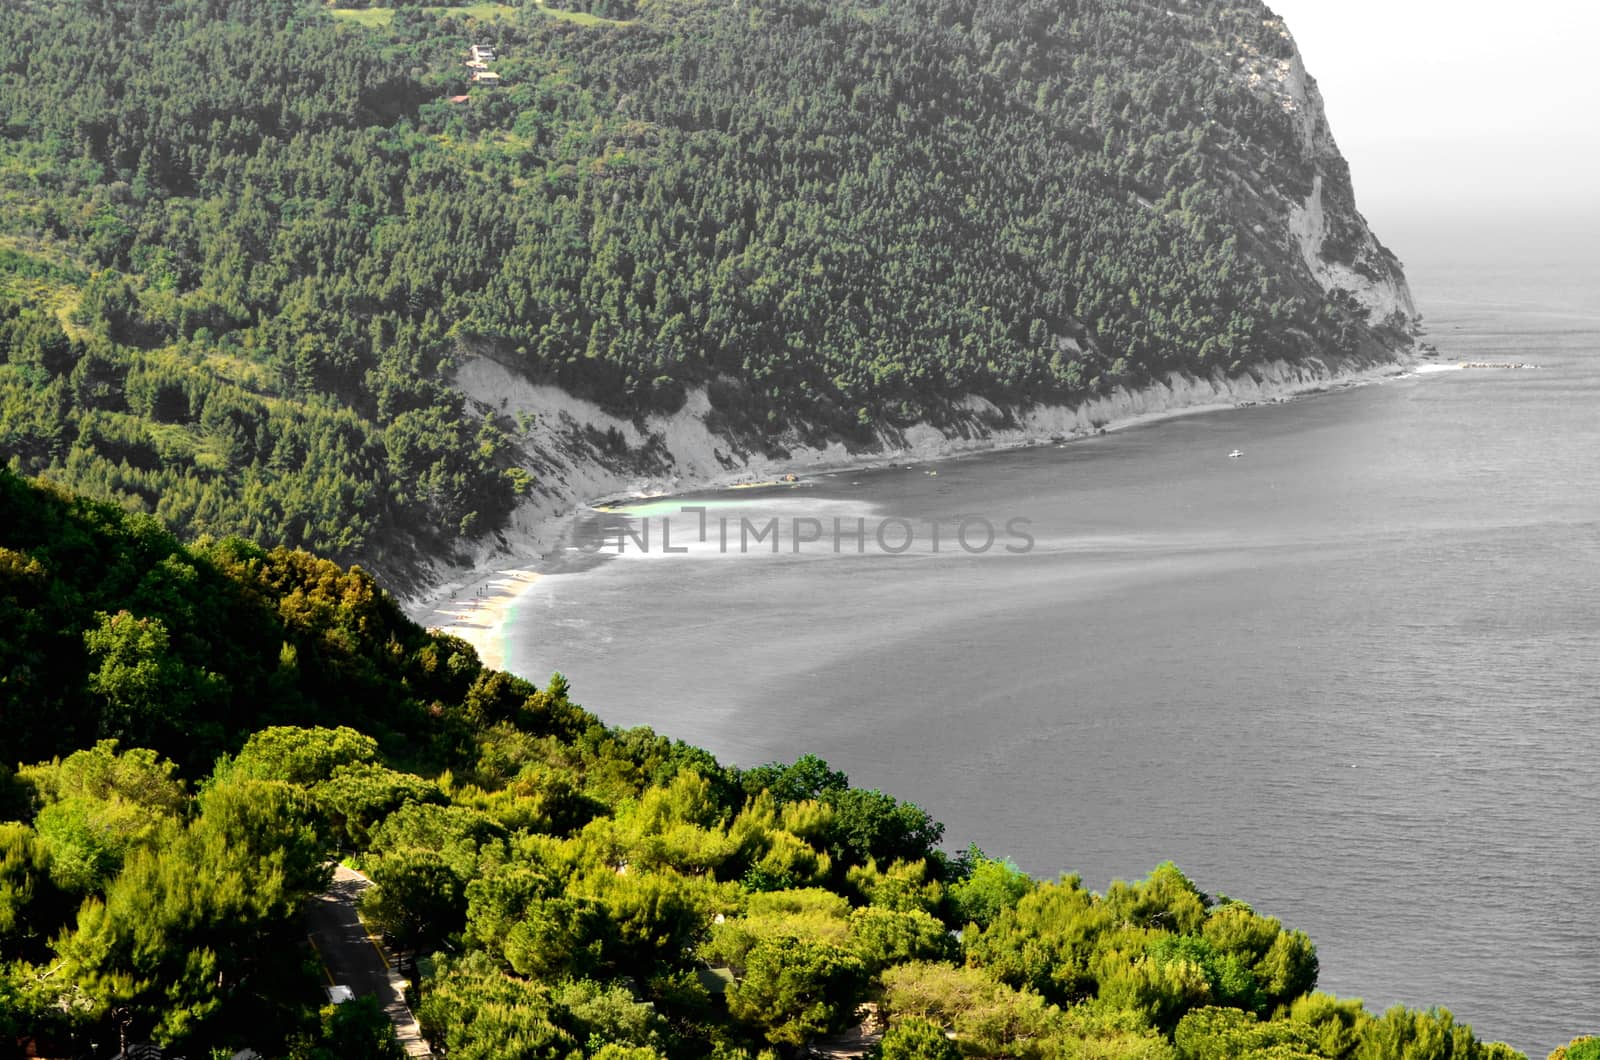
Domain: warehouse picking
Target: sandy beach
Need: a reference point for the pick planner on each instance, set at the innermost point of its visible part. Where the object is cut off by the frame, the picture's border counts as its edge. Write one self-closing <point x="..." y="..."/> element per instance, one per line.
<point x="477" y="610"/>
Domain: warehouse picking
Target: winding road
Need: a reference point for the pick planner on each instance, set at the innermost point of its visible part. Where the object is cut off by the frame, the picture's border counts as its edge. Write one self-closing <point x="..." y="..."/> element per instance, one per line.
<point x="354" y="959"/>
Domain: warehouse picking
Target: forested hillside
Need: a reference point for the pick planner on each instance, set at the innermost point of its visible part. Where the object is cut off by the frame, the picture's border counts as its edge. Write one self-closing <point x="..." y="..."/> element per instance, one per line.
<point x="208" y="726"/>
<point x="243" y="242"/>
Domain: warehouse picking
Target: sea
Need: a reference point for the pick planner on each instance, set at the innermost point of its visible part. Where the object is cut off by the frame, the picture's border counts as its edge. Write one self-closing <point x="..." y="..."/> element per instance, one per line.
<point x="1350" y="675"/>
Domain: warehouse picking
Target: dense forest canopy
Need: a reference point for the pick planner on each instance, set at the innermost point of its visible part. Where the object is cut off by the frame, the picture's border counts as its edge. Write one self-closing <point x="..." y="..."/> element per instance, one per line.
<point x="243" y="242"/>
<point x="199" y="730"/>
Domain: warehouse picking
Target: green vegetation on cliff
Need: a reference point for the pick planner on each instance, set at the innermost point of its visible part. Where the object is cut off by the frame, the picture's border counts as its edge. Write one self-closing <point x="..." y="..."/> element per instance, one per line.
<point x="209" y="725"/>
<point x="243" y="241"/>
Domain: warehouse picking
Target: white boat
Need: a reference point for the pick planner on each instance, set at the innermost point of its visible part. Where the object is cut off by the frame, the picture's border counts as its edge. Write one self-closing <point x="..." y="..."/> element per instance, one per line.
<point x="1236" y="454"/>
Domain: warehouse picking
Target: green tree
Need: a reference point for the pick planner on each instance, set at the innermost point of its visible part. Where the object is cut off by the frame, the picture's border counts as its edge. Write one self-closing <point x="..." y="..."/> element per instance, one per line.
<point x="139" y="776"/>
<point x="988" y="1017"/>
<point x="145" y="687"/>
<point x="795" y="989"/>
<point x="991" y="886"/>
<point x="477" y="1013"/>
<point x="302" y="756"/>
<point x="1407" y="1034"/>
<point x="881" y="937"/>
<point x="32" y="907"/>
<point x="182" y="927"/>
<point x="869" y="825"/>
<point x="1229" y="1034"/>
<point x="808" y="778"/>
<point x="557" y="936"/>
<point x="416" y="897"/>
<point x="1047" y="941"/>
<point x="917" y="1039"/>
<point x="355" y="1030"/>
<point x="96" y="805"/>
<point x="1336" y="1024"/>
<point x="111" y="307"/>
<point x="607" y="1014"/>
<point x="357" y="797"/>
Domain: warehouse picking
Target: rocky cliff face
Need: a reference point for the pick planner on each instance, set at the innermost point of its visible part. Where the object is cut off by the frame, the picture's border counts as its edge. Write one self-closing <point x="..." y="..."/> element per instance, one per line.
<point x="1332" y="239"/>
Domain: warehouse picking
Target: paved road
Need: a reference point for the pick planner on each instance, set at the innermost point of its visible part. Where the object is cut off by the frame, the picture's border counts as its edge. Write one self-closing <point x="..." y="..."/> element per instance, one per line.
<point x="354" y="959"/>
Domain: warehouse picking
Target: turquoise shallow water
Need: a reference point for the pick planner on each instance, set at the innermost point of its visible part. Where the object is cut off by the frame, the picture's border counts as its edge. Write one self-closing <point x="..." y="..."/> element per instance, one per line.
<point x="1349" y="677"/>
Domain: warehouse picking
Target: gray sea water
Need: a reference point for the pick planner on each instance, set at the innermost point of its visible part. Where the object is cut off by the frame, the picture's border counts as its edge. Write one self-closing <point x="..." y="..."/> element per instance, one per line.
<point x="1351" y="677"/>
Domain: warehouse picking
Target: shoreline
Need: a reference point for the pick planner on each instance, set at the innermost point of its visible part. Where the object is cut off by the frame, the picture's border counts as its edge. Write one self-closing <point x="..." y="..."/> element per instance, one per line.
<point x="478" y="603"/>
<point x="478" y="610"/>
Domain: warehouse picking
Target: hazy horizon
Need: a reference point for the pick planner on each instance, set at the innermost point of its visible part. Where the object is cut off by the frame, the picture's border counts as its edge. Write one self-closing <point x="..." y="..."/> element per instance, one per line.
<point x="1459" y="121"/>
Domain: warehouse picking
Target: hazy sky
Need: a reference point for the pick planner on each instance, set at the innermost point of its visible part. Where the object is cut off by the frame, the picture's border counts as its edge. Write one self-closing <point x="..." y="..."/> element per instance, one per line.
<point x="1448" y="109"/>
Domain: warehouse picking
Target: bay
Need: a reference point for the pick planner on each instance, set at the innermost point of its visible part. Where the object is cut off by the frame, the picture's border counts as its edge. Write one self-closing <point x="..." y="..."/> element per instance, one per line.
<point x="1349" y="676"/>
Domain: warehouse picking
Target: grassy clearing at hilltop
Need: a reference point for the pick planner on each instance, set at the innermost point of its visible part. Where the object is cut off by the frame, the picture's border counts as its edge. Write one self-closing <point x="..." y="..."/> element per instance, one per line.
<point x="382" y="17"/>
<point x="371" y="17"/>
<point x="582" y="18"/>
<point x="378" y="17"/>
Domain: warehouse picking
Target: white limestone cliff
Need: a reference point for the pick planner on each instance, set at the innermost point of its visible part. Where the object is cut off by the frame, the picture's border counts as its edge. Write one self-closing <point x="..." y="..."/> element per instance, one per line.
<point x="1339" y="250"/>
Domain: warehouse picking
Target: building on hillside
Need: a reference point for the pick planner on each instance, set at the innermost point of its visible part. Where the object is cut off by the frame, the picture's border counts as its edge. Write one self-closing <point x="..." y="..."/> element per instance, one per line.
<point x="482" y="53"/>
<point x="485" y="77"/>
